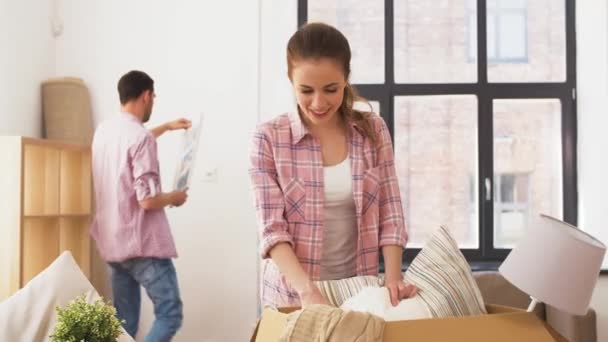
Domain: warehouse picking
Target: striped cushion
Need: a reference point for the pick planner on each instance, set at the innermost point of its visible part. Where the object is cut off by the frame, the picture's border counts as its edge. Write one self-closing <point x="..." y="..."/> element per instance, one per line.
<point x="444" y="279"/>
<point x="337" y="291"/>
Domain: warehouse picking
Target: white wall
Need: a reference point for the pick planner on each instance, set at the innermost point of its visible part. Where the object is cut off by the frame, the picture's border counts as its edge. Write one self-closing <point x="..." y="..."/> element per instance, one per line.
<point x="203" y="56"/>
<point x="278" y="22"/>
<point x="592" y="74"/>
<point x="592" y="119"/>
<point x="25" y="34"/>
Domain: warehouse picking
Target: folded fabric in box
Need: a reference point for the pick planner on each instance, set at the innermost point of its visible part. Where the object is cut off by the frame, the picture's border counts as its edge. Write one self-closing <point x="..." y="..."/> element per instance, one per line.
<point x="325" y="323"/>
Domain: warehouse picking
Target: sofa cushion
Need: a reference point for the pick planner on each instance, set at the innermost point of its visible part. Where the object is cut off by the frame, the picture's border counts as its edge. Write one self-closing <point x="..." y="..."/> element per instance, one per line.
<point x="30" y="315"/>
<point x="444" y="279"/>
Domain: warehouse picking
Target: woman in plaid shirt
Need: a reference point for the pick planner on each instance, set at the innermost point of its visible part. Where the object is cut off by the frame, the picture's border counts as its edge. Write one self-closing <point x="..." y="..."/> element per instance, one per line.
<point x="326" y="191"/>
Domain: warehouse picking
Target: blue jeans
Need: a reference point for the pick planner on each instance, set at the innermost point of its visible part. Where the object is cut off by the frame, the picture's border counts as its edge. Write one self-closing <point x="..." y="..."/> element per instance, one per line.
<point x="158" y="277"/>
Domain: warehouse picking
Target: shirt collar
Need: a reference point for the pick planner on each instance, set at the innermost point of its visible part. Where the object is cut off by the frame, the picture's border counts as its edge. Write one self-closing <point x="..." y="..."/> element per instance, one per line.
<point x="131" y="117"/>
<point x="299" y="129"/>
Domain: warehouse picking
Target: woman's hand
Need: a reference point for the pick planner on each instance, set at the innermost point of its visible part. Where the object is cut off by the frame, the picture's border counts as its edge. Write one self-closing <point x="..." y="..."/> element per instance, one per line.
<point x="399" y="289"/>
<point x="312" y="295"/>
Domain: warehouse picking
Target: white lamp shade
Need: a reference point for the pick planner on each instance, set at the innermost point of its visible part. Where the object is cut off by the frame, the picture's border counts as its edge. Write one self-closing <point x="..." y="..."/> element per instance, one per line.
<point x="556" y="263"/>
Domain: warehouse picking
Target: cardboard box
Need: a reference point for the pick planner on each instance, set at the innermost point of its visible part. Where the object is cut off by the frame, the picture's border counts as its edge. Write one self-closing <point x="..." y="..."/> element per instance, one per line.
<point x="501" y="324"/>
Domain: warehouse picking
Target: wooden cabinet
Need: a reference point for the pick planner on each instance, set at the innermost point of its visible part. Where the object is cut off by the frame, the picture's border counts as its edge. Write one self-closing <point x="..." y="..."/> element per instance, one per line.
<point x="45" y="207"/>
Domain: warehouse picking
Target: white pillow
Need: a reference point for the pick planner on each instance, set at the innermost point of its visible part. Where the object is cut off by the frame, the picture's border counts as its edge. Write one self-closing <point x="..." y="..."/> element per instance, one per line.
<point x="376" y="300"/>
<point x="337" y="291"/>
<point x="30" y="315"/>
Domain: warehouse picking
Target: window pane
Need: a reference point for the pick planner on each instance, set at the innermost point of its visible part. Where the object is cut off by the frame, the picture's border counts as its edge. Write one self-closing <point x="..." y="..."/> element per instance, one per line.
<point x="436" y="162"/>
<point x="362" y="22"/>
<point x="491" y="32"/>
<point x="472" y="21"/>
<point x="527" y="165"/>
<point x="433" y="40"/>
<point x="512" y="39"/>
<point x="530" y="37"/>
<point x="512" y="3"/>
<point x="506" y="188"/>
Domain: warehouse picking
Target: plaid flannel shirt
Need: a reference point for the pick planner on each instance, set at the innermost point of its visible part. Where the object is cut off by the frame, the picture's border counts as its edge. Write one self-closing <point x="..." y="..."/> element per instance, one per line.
<point x="286" y="171"/>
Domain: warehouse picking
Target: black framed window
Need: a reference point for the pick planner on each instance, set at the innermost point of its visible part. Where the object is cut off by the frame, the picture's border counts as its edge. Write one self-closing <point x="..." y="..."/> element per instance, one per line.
<point x="479" y="96"/>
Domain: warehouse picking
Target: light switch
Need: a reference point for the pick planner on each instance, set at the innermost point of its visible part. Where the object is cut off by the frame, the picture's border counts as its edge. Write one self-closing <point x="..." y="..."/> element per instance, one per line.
<point x="210" y="175"/>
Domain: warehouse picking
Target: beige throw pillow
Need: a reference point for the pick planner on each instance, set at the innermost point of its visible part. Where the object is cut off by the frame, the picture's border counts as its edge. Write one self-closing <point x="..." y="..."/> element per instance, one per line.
<point x="444" y="279"/>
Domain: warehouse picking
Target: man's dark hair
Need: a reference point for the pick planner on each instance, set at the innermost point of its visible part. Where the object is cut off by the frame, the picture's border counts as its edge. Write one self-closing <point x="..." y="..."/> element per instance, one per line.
<point x="132" y="84"/>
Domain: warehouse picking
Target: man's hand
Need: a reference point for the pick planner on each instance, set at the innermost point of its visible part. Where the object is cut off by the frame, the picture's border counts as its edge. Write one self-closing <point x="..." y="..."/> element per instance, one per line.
<point x="177" y="198"/>
<point x="399" y="289"/>
<point x="179" y="124"/>
<point x="171" y="126"/>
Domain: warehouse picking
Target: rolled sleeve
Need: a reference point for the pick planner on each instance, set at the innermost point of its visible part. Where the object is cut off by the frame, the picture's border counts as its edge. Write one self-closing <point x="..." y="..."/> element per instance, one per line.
<point x="392" y="226"/>
<point x="269" y="202"/>
<point x="146" y="175"/>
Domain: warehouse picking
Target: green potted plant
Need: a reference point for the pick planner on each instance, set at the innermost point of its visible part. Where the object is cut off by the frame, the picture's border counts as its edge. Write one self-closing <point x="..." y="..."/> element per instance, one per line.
<point x="90" y="322"/>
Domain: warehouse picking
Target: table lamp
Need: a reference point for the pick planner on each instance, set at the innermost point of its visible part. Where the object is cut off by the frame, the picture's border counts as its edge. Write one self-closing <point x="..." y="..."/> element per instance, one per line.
<point x="555" y="263"/>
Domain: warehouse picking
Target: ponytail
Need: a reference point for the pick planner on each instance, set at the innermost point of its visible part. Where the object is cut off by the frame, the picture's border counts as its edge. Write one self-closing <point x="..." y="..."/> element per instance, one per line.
<point x="361" y="118"/>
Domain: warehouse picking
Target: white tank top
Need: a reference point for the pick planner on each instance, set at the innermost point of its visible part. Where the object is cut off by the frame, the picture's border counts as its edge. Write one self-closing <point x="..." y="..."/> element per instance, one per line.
<point x="339" y="258"/>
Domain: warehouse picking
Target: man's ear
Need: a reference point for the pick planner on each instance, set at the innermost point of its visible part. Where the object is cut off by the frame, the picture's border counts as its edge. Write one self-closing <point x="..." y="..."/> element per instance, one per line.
<point x="146" y="95"/>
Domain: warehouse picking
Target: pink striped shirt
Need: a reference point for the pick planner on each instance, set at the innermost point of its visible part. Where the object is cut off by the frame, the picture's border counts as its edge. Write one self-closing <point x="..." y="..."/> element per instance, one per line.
<point x="126" y="171"/>
<point x="287" y="177"/>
